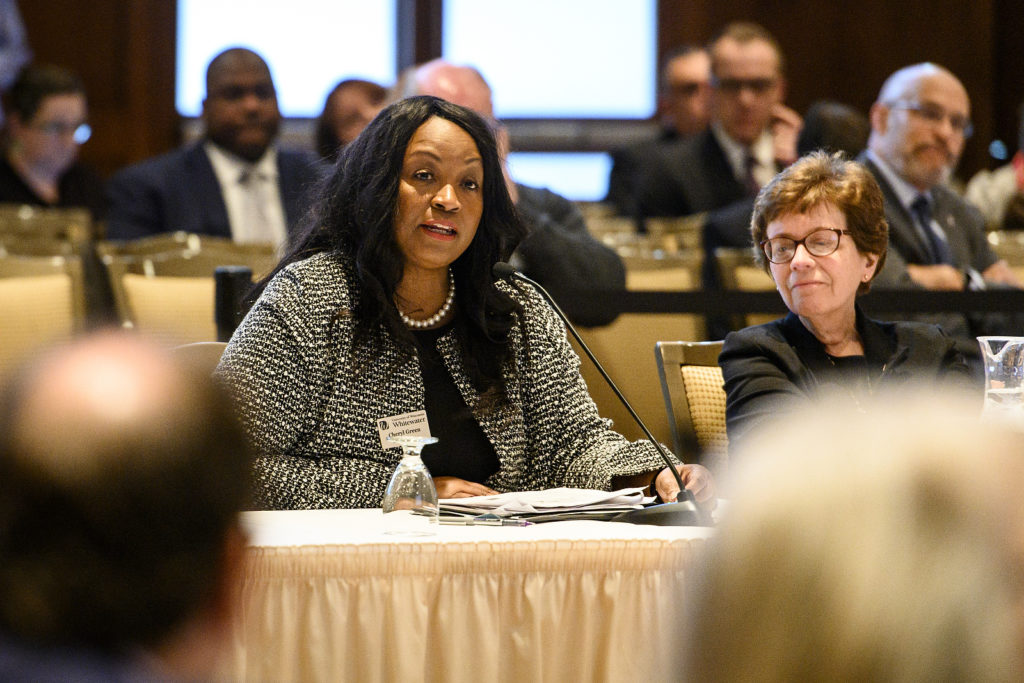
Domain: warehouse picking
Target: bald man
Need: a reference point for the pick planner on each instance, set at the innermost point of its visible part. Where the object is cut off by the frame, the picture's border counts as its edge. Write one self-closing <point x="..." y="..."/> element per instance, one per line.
<point x="919" y="125"/>
<point x="234" y="182"/>
<point x="558" y="252"/>
<point x="121" y="479"/>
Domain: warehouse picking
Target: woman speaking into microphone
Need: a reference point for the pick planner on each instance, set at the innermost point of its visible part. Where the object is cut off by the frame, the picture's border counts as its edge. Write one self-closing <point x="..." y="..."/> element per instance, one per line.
<point x="386" y="308"/>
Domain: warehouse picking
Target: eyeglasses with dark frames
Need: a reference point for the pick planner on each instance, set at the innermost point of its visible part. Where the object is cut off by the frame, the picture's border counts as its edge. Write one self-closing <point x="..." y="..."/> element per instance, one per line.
<point x="820" y="242"/>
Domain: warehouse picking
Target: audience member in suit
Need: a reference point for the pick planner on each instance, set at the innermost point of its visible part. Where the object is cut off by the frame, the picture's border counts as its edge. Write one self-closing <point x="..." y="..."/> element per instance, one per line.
<point x="936" y="239"/>
<point x="234" y="182"/>
<point x="719" y="171"/>
<point x="683" y="111"/>
<point x="47" y="123"/>
<point x="750" y="137"/>
<point x="349" y="107"/>
<point x="122" y="475"/>
<point x="833" y="127"/>
<point x="558" y="251"/>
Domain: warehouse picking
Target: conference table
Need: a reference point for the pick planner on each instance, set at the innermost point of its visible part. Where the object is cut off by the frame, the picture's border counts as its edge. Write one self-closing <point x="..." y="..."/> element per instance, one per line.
<point x="328" y="596"/>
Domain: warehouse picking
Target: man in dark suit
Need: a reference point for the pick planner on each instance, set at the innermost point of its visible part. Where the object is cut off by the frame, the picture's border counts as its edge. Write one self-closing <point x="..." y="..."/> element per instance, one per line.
<point x="234" y="182"/>
<point x="936" y="239"/>
<point x="683" y="111"/>
<point x="752" y="136"/>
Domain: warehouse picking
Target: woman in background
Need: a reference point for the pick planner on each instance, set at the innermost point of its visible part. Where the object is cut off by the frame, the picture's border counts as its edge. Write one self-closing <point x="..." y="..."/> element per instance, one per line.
<point x="47" y="123"/>
<point x="349" y="108"/>
<point x="820" y="232"/>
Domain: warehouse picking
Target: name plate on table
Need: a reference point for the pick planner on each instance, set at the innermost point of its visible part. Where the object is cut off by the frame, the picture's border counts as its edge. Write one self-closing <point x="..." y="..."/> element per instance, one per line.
<point x="407" y="424"/>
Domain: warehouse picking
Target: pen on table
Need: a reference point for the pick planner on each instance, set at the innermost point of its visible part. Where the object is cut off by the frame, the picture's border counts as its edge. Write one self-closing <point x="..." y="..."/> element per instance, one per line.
<point x="472" y="521"/>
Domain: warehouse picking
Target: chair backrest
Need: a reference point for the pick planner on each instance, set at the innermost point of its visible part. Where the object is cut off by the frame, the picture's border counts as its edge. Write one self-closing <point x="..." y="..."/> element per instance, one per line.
<point x="42" y="301"/>
<point x="164" y="285"/>
<point x="691" y="383"/>
<point x="189" y="254"/>
<point x="686" y="231"/>
<point x="204" y="356"/>
<point x="663" y="272"/>
<point x="21" y="244"/>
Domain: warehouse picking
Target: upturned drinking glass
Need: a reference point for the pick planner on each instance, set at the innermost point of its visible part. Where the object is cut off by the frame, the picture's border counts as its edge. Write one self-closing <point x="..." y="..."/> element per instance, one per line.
<point x="410" y="501"/>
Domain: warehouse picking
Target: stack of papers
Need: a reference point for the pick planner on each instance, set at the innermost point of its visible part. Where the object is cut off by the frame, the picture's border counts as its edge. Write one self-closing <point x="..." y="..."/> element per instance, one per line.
<point x="550" y="504"/>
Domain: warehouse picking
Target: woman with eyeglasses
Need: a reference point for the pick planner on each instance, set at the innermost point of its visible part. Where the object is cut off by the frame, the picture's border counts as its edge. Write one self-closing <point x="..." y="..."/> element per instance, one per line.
<point x="819" y="230"/>
<point x="47" y="122"/>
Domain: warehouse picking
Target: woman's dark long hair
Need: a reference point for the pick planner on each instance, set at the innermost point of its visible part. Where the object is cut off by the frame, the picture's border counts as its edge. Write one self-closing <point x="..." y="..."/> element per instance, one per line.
<point x="354" y="215"/>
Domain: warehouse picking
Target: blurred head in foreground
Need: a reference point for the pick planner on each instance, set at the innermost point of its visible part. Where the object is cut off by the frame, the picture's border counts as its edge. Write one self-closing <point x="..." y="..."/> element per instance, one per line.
<point x="877" y="546"/>
<point x="121" y="478"/>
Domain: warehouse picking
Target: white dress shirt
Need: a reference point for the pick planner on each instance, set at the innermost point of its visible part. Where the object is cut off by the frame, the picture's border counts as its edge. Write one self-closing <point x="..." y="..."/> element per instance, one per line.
<point x="762" y="151"/>
<point x="255" y="213"/>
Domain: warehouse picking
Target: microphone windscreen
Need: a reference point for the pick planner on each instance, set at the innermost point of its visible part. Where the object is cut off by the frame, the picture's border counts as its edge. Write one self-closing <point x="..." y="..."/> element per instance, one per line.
<point x="502" y="270"/>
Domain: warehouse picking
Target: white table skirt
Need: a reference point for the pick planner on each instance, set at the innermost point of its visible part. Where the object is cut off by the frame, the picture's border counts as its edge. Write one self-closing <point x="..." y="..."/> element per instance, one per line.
<point x="328" y="597"/>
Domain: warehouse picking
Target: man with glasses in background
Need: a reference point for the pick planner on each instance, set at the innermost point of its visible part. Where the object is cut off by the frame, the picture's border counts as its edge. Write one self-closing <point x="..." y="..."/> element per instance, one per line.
<point x="937" y="240"/>
<point x="751" y="137"/>
<point x="684" y="103"/>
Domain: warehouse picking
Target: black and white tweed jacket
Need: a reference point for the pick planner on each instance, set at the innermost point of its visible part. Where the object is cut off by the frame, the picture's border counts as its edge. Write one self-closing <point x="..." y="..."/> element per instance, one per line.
<point x="312" y="410"/>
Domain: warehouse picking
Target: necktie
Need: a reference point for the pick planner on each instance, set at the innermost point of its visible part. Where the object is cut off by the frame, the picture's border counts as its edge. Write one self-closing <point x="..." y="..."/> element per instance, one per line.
<point x="939" y="248"/>
<point x="256" y="225"/>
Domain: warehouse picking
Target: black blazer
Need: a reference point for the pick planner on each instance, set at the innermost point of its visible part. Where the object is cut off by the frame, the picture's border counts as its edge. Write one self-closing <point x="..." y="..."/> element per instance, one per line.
<point x="768" y="367"/>
<point x="685" y="177"/>
<point x="179" y="191"/>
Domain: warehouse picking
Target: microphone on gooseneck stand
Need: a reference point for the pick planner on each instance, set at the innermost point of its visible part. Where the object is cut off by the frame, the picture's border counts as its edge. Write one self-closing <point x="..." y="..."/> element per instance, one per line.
<point x="683" y="512"/>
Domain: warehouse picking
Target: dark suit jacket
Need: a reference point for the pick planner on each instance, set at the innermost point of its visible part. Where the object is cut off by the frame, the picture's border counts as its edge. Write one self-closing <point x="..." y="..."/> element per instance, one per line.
<point x="179" y="191"/>
<point x="561" y="254"/>
<point x="781" y="363"/>
<point x="687" y="176"/>
<point x="627" y="161"/>
<point x="965" y="231"/>
<point x="964" y="226"/>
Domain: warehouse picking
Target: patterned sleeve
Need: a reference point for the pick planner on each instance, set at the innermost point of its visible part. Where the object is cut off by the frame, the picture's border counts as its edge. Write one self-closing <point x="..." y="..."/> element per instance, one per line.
<point x="576" y="446"/>
<point x="268" y="366"/>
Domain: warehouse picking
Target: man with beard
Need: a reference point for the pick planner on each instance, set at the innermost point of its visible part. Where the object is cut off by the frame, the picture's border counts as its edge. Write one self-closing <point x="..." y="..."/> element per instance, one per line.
<point x="232" y="183"/>
<point x="937" y="241"/>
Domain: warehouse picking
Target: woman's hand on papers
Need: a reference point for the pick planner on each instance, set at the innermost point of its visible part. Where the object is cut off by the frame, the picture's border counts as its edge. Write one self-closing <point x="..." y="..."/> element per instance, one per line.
<point x="696" y="478"/>
<point x="453" y="487"/>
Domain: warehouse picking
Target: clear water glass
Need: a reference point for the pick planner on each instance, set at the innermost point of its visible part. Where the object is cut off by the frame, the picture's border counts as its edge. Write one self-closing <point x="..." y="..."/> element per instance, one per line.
<point x="410" y="501"/>
<point x="1004" y="378"/>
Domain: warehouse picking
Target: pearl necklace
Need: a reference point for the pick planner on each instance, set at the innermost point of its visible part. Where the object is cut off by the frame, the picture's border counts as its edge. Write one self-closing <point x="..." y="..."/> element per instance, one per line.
<point x="437" y="317"/>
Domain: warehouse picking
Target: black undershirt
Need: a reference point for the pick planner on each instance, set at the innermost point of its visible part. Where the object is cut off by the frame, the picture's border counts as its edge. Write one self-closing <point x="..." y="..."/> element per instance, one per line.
<point x="856" y="372"/>
<point x="462" y="449"/>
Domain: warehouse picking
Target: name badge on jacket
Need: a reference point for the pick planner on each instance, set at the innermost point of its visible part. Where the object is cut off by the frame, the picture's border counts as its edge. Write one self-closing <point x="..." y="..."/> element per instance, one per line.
<point x="408" y="424"/>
